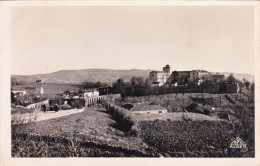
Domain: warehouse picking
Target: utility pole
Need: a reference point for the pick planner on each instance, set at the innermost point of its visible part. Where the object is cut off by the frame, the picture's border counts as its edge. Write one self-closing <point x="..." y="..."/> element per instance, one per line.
<point x="60" y="103"/>
<point x="95" y="136"/>
<point x="94" y="99"/>
<point x="220" y="99"/>
<point x="95" y="141"/>
<point x="128" y="143"/>
<point x="128" y="135"/>
<point x="107" y="99"/>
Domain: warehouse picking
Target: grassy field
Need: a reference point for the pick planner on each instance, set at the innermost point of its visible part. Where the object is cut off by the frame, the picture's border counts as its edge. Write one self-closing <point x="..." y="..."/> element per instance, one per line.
<point x="19" y="110"/>
<point x="88" y="126"/>
<point x="175" y="116"/>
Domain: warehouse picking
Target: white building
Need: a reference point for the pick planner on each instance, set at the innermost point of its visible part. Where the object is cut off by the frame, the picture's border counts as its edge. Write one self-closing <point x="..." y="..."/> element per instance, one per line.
<point x="75" y="97"/>
<point x="145" y="108"/>
<point x="159" y="78"/>
<point x="91" y="93"/>
<point x="19" y="93"/>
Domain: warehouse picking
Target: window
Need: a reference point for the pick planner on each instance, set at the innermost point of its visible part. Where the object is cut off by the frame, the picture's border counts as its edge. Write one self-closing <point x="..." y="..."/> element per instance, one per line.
<point x="148" y="112"/>
<point x="160" y="111"/>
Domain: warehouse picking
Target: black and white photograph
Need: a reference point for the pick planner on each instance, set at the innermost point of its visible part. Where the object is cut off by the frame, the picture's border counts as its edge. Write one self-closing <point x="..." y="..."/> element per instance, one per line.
<point x="132" y="81"/>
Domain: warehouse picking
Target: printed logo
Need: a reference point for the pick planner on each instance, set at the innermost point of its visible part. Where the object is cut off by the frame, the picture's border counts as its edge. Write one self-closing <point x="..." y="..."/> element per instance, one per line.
<point x="238" y="143"/>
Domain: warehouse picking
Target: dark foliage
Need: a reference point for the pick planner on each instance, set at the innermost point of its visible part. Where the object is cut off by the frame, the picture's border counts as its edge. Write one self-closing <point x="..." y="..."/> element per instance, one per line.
<point x="188" y="138"/>
<point x="123" y="119"/>
<point x="91" y="85"/>
<point x="26" y="145"/>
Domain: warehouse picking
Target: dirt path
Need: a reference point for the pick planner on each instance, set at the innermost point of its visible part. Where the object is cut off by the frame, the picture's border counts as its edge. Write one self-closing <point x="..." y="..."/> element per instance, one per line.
<point x="40" y="115"/>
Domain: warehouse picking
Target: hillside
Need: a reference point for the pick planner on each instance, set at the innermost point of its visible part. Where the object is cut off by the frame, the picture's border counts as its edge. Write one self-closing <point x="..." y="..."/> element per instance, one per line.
<point x="239" y="76"/>
<point x="87" y="75"/>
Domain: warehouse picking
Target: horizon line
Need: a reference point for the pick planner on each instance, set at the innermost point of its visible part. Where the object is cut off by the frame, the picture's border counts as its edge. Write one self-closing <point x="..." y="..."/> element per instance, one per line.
<point x="124" y="69"/>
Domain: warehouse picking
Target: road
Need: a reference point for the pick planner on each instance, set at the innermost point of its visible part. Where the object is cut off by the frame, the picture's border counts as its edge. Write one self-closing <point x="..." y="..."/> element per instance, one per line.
<point x="40" y="115"/>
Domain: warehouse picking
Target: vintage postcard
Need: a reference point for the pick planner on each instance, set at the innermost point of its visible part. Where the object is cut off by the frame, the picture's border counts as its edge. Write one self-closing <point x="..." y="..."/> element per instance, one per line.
<point x="129" y="83"/>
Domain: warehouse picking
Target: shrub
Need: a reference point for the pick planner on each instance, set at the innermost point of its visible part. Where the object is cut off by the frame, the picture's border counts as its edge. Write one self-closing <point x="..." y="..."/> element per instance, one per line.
<point x="122" y="117"/>
<point x="20" y="110"/>
<point x="65" y="107"/>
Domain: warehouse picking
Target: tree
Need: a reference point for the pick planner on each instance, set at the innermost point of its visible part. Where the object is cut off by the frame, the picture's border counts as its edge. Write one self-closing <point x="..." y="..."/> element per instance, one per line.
<point x="67" y="92"/>
<point x="137" y="81"/>
<point x="133" y="81"/>
<point x="252" y="92"/>
<point x="97" y="85"/>
<point x="147" y="82"/>
<point x="119" y="86"/>
<point x="246" y="83"/>
<point x="231" y="79"/>
<point x="252" y="88"/>
<point x="240" y="84"/>
<point x="12" y="97"/>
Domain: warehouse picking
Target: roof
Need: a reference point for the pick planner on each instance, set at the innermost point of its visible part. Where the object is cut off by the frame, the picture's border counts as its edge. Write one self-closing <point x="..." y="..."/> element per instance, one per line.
<point x="146" y="107"/>
<point x="128" y="106"/>
<point x="188" y="71"/>
<point x="18" y="91"/>
<point x="158" y="72"/>
<point x="196" y="108"/>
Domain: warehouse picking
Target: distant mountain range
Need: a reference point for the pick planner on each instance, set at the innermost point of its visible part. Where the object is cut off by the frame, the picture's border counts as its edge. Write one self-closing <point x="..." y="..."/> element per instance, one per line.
<point x="83" y="75"/>
<point x="102" y="75"/>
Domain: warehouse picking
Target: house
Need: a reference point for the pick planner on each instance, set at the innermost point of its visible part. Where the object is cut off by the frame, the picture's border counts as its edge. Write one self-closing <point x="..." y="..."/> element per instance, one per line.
<point x="196" y="108"/>
<point x="106" y="91"/>
<point x="183" y="77"/>
<point x="128" y="106"/>
<point x="91" y="93"/>
<point x="19" y="93"/>
<point x="38" y="81"/>
<point x="146" y="108"/>
<point x="75" y="97"/>
<point x="159" y="78"/>
<point x="195" y="77"/>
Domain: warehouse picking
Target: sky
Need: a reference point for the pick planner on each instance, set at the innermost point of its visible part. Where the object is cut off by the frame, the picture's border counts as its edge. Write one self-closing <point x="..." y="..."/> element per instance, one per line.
<point x="49" y="39"/>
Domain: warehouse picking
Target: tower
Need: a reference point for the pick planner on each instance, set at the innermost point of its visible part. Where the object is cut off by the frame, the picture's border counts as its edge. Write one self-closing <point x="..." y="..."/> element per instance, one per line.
<point x="167" y="69"/>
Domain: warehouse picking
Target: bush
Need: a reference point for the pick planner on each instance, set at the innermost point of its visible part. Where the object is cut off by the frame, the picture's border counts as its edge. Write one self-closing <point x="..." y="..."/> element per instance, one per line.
<point x="20" y="109"/>
<point x="122" y="117"/>
<point x="65" y="107"/>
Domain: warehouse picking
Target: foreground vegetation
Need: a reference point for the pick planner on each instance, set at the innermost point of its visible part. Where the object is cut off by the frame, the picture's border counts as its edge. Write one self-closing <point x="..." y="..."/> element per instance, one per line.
<point x="90" y="133"/>
<point x="188" y="138"/>
<point x="114" y="132"/>
<point x="25" y="145"/>
<point x="95" y="133"/>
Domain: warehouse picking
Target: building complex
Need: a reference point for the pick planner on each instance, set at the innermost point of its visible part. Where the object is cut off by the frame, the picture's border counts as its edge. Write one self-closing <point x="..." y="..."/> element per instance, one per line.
<point x="193" y="77"/>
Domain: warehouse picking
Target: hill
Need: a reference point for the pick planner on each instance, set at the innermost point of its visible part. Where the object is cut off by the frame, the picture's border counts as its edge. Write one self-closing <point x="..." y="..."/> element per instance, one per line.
<point x="84" y="75"/>
<point x="239" y="76"/>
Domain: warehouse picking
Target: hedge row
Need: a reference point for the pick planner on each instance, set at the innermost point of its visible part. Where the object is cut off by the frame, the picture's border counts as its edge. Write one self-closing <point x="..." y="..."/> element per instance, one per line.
<point x="217" y="88"/>
<point x="123" y="118"/>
